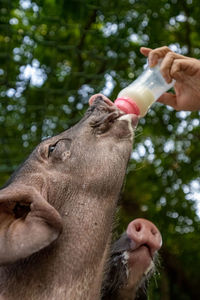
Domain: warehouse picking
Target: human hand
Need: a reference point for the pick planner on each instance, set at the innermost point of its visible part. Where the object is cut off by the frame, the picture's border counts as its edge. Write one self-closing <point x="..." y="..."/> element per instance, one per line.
<point x="186" y="72"/>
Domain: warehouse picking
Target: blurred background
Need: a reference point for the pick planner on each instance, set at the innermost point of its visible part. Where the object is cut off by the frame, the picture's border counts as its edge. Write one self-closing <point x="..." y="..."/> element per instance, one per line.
<point x="55" y="54"/>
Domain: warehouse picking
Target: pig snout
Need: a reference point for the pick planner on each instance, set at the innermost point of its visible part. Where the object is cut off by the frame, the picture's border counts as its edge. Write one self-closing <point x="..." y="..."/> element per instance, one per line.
<point x="104" y="98"/>
<point x="144" y="233"/>
<point x="121" y="115"/>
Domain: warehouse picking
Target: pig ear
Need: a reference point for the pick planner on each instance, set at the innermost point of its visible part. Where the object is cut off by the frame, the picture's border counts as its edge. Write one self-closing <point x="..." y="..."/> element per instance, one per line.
<point x="28" y="223"/>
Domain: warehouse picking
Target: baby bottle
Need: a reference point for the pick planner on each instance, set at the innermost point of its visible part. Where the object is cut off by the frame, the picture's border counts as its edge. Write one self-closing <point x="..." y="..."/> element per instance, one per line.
<point x="143" y="92"/>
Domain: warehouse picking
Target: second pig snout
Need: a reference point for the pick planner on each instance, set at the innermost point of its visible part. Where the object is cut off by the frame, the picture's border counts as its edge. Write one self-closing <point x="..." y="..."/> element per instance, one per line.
<point x="144" y="233"/>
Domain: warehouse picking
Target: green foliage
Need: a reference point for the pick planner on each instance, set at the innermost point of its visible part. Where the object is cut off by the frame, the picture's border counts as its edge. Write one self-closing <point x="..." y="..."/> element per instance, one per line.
<point x="75" y="49"/>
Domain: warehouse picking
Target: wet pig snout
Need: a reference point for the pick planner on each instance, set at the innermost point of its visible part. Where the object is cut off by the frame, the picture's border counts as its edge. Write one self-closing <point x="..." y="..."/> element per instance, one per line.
<point x="144" y="233"/>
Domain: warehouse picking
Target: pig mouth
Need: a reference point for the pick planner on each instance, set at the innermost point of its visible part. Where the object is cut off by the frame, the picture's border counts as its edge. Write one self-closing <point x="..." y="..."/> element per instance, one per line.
<point x="128" y="246"/>
<point x="148" y="250"/>
<point x="143" y="255"/>
<point x="108" y="113"/>
<point x="143" y="251"/>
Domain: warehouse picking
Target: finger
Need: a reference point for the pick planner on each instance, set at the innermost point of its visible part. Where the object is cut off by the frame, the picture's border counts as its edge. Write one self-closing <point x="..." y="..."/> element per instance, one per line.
<point x="145" y="51"/>
<point x="157" y="54"/>
<point x="188" y="66"/>
<point x="168" y="64"/>
<point x="169" y="99"/>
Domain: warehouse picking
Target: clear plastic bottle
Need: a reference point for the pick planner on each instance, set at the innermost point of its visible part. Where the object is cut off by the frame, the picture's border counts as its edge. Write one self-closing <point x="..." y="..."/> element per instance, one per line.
<point x="143" y="92"/>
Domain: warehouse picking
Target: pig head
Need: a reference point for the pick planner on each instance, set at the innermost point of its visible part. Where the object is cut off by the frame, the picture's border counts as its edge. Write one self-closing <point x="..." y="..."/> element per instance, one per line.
<point x="132" y="261"/>
<point x="56" y="211"/>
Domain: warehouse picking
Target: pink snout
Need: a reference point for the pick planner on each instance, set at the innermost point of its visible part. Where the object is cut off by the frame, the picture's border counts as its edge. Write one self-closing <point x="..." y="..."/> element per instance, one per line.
<point x="144" y="233"/>
<point x="108" y="101"/>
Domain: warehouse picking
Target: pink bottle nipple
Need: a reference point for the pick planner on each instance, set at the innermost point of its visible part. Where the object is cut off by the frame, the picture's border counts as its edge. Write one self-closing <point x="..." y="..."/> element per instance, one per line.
<point x="127" y="105"/>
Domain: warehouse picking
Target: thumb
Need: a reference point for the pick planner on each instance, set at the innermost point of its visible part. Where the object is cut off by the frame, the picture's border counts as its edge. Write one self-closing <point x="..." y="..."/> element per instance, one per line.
<point x="168" y="99"/>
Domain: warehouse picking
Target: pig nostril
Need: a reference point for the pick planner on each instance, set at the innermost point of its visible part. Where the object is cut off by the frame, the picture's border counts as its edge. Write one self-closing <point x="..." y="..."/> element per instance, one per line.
<point x="138" y="227"/>
<point x="153" y="231"/>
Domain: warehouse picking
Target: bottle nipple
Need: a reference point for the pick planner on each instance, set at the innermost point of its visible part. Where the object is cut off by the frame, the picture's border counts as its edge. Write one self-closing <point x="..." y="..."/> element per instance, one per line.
<point x="127" y="105"/>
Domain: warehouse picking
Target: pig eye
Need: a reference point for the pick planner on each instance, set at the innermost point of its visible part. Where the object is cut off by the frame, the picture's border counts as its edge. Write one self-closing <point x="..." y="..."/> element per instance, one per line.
<point x="51" y="149"/>
<point x="60" y="146"/>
